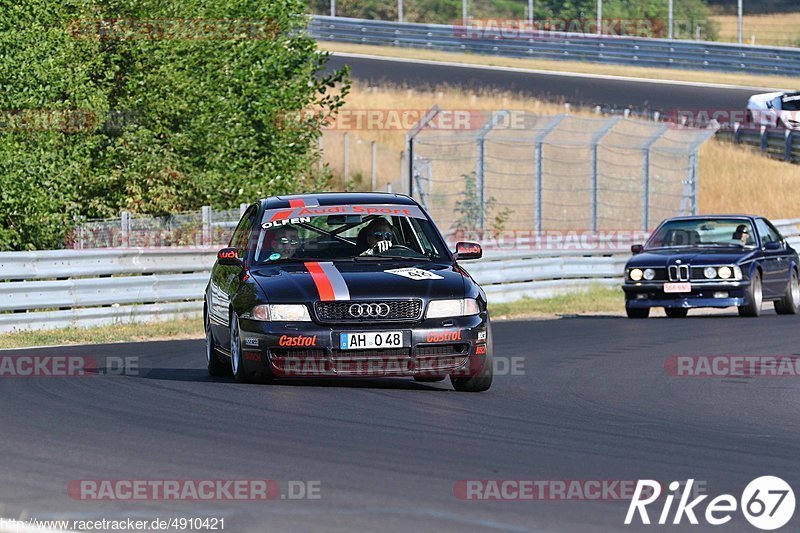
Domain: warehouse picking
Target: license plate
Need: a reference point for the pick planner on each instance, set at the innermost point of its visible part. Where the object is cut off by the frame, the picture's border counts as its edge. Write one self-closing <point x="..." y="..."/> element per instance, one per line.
<point x="366" y="340"/>
<point x="677" y="287"/>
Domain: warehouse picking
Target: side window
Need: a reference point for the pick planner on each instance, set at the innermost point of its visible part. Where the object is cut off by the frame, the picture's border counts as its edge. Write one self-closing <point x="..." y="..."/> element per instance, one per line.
<point x="242" y="232"/>
<point x="767" y="232"/>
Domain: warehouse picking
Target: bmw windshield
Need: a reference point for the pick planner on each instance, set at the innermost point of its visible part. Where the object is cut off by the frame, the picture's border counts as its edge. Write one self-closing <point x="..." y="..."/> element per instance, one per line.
<point x="705" y="232"/>
<point x="348" y="233"/>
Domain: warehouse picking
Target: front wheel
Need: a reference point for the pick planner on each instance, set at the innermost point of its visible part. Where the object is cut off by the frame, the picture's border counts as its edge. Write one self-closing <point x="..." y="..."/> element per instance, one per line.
<point x="237" y="365"/>
<point x="216" y="367"/>
<point x="790" y="303"/>
<point x="483" y="380"/>
<point x="754" y="298"/>
<point x="637" y="312"/>
<point x="676" y="312"/>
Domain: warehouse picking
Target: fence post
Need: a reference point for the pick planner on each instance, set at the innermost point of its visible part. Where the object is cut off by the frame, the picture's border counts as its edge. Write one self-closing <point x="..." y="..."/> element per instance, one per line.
<point x="787" y="154"/>
<point x="206" y="213"/>
<point x="125" y="228"/>
<point x="646" y="149"/>
<point x="537" y="177"/>
<point x="346" y="149"/>
<point x="480" y="167"/>
<point x="410" y="136"/>
<point x="695" y="173"/>
<point x="374" y="166"/>
<point x="595" y="181"/>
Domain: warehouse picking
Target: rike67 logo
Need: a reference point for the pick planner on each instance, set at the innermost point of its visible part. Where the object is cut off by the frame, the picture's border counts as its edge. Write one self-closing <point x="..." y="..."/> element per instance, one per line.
<point x="767" y="503"/>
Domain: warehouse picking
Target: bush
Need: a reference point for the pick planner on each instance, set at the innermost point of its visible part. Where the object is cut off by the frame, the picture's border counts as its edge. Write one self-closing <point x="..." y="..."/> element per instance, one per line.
<point x="172" y="121"/>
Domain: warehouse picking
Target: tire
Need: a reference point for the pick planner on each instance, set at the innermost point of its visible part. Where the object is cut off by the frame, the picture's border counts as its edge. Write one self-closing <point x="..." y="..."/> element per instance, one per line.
<point x="237" y="361"/>
<point x="479" y="382"/>
<point x="216" y="367"/>
<point x="790" y="303"/>
<point x="755" y="298"/>
<point x="428" y="379"/>
<point x="637" y="312"/>
<point x="676" y="312"/>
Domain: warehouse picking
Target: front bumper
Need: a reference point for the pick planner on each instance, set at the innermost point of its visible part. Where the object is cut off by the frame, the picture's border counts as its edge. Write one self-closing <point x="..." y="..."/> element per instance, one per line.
<point x="432" y="348"/>
<point x="640" y="295"/>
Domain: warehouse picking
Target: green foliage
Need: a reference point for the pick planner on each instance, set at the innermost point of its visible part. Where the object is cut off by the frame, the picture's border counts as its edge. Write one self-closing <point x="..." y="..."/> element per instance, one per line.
<point x="196" y="121"/>
<point x="693" y="12"/>
<point x="470" y="210"/>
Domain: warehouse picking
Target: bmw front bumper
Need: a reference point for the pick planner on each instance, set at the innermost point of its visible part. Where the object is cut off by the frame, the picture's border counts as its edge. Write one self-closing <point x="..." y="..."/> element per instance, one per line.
<point x="640" y="295"/>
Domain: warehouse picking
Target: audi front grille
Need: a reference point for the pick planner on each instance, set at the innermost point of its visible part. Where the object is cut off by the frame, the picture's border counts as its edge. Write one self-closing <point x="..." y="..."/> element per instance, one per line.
<point x="369" y="311"/>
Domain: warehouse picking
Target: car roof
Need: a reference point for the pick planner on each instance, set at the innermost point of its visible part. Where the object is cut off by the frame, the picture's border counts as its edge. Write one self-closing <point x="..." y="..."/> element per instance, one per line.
<point x="338" y="198"/>
<point x="723" y="215"/>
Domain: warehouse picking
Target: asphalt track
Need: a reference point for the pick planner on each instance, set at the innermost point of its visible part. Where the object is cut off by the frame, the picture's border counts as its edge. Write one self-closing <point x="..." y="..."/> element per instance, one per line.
<point x="593" y="402"/>
<point x="639" y="95"/>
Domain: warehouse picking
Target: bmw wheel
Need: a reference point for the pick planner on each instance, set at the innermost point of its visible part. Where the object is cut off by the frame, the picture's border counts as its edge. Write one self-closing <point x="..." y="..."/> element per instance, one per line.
<point x="790" y="303"/>
<point x="676" y="312"/>
<point x="755" y="298"/>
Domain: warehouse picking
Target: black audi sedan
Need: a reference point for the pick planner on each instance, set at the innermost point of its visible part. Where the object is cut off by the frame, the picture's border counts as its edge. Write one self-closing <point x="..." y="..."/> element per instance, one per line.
<point x="712" y="261"/>
<point x="346" y="284"/>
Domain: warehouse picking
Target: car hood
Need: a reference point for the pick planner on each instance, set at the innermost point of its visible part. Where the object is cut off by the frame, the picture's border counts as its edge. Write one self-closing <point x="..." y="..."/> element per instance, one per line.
<point x="357" y="280"/>
<point x="691" y="256"/>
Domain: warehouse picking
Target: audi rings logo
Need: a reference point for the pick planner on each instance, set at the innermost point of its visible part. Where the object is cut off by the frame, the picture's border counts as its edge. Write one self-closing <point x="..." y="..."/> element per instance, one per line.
<point x="369" y="310"/>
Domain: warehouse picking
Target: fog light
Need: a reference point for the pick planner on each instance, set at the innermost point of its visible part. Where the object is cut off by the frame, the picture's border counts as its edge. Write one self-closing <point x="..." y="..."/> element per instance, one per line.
<point x="720" y="294"/>
<point x="641" y="296"/>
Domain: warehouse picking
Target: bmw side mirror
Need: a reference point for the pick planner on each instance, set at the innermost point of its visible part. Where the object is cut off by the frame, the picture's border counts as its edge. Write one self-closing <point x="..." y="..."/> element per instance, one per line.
<point x="637" y="249"/>
<point x="468" y="250"/>
<point x="773" y="246"/>
<point x="228" y="257"/>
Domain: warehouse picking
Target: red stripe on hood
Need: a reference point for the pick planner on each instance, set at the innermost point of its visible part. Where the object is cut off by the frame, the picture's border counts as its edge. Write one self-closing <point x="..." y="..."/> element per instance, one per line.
<point x="324" y="287"/>
<point x="297" y="203"/>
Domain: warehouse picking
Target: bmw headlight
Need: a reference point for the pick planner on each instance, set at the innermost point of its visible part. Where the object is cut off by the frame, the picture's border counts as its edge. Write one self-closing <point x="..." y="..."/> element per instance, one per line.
<point x="450" y="308"/>
<point x="649" y="274"/>
<point x="635" y="274"/>
<point x="725" y="272"/>
<point x="281" y="313"/>
<point x="711" y="272"/>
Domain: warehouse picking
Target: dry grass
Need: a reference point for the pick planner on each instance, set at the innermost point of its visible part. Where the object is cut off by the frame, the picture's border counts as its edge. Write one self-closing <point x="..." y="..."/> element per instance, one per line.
<point x="780" y="29"/>
<point x="732" y="178"/>
<point x="749" y="80"/>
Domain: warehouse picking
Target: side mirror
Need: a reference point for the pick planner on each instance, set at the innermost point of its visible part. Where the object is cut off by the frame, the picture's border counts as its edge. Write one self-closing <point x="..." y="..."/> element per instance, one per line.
<point x="773" y="246"/>
<point x="228" y="257"/>
<point x="637" y="249"/>
<point x="468" y="250"/>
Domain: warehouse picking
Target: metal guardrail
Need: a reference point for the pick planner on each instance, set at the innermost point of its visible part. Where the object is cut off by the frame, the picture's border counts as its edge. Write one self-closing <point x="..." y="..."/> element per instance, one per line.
<point x="56" y="289"/>
<point x="778" y="143"/>
<point x="563" y="46"/>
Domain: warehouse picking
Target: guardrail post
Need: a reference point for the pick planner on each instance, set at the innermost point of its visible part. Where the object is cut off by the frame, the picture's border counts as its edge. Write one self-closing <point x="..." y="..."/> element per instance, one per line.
<point x="538" y="153"/>
<point x="595" y="185"/>
<point x="206" y="213"/>
<point x="789" y="141"/>
<point x="737" y="133"/>
<point x="480" y="167"/>
<point x="125" y="228"/>
<point x="764" y="138"/>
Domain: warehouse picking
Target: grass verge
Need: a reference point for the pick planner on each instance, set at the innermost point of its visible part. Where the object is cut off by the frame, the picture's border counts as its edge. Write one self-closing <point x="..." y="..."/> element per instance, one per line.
<point x="185" y="328"/>
<point x="697" y="76"/>
<point x="595" y="300"/>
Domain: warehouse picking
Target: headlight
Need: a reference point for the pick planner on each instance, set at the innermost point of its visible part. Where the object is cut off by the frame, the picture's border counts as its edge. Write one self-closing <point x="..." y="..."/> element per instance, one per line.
<point x="449" y="308"/>
<point x="649" y="274"/>
<point x="635" y="274"/>
<point x="737" y="273"/>
<point x="281" y="313"/>
<point x="711" y="272"/>
<point x="725" y="272"/>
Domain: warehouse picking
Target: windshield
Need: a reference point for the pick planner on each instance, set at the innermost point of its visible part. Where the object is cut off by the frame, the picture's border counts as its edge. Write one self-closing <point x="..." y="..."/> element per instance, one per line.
<point x="703" y="232"/>
<point x="348" y="233"/>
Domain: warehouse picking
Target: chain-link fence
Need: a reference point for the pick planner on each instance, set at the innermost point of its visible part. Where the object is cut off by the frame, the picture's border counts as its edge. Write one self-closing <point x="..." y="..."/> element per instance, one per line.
<point x="522" y="171"/>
